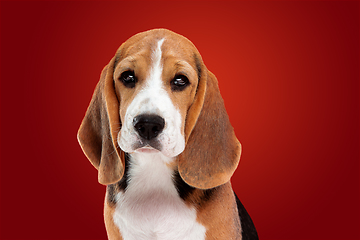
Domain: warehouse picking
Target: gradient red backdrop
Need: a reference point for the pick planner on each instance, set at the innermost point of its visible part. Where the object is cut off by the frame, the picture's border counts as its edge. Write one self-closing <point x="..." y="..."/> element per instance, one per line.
<point x="289" y="75"/>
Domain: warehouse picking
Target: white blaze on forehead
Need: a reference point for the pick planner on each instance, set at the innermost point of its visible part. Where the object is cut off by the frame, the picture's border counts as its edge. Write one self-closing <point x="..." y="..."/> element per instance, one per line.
<point x="157" y="68"/>
<point x="155" y="99"/>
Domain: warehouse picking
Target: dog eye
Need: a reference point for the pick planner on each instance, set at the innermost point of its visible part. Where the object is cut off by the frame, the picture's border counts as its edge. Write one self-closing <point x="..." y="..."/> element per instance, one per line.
<point x="179" y="83"/>
<point x="128" y="79"/>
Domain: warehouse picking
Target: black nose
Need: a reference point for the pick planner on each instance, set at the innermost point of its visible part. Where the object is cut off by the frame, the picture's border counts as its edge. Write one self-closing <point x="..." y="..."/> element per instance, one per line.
<point x="149" y="126"/>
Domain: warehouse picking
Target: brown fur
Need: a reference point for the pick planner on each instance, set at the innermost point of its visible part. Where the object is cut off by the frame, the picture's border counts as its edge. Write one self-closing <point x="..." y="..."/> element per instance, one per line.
<point x="112" y="230"/>
<point x="101" y="124"/>
<point x="219" y="214"/>
<point x="212" y="150"/>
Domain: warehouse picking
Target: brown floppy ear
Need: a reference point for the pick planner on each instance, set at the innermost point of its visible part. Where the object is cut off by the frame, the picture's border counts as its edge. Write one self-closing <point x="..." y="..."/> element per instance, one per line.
<point x="98" y="132"/>
<point x="212" y="151"/>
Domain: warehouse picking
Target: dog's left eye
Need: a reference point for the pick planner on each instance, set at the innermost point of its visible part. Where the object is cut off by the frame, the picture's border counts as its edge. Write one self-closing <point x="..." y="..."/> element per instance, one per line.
<point x="128" y="79"/>
<point x="179" y="83"/>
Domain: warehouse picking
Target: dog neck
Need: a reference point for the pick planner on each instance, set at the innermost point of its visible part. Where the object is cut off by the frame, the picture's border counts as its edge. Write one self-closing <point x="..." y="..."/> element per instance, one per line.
<point x="151" y="172"/>
<point x="150" y="205"/>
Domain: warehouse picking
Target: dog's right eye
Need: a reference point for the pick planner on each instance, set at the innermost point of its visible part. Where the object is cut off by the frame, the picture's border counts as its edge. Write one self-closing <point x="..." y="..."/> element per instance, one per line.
<point x="128" y="79"/>
<point x="179" y="83"/>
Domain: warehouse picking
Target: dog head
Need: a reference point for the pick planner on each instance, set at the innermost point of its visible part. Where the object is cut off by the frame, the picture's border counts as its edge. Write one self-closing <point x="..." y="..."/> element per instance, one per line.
<point x="156" y="95"/>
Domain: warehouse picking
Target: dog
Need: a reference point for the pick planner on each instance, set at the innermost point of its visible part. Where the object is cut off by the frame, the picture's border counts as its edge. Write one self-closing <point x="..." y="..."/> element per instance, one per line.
<point x="158" y="133"/>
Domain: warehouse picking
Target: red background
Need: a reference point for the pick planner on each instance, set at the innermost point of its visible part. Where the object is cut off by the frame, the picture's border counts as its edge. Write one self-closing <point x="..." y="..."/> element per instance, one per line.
<point x="289" y="75"/>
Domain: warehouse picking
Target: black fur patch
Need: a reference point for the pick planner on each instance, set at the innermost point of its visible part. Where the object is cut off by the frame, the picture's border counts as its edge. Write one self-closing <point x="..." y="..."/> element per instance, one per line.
<point x="183" y="189"/>
<point x="117" y="58"/>
<point x="248" y="228"/>
<point x="198" y="66"/>
<point x="207" y="194"/>
<point x="114" y="189"/>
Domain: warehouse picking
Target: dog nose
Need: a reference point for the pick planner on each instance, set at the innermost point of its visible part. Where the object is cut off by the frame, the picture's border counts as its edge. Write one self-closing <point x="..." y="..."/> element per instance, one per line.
<point x="149" y="126"/>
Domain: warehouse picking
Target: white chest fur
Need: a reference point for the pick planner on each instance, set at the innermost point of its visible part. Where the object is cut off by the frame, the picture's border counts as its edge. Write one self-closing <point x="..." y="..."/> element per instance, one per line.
<point x="151" y="208"/>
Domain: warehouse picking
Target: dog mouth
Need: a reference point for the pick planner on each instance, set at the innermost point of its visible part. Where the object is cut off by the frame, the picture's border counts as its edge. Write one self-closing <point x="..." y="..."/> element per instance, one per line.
<point x="146" y="149"/>
<point x="148" y="146"/>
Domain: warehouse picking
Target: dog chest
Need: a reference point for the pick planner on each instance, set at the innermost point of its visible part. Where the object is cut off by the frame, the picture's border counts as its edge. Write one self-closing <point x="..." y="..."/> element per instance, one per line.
<point x="150" y="207"/>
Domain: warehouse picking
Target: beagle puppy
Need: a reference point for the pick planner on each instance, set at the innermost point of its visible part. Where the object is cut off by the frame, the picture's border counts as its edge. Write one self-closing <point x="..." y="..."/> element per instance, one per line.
<point x="158" y="133"/>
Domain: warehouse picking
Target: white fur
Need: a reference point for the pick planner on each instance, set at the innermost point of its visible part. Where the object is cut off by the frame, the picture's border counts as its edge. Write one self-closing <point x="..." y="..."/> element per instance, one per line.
<point x="151" y="208"/>
<point x="154" y="99"/>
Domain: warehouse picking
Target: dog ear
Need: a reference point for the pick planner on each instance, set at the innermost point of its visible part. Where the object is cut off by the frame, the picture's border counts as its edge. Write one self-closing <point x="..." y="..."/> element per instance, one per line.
<point x="98" y="132"/>
<point x="212" y="150"/>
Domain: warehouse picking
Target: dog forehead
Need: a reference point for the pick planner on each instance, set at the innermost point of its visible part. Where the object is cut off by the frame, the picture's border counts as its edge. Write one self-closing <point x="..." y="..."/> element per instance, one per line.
<point x="144" y="44"/>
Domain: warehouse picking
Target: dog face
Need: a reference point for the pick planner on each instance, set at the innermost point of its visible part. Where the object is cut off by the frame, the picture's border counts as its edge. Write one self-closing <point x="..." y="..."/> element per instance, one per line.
<point x="156" y="95"/>
<point x="156" y="85"/>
